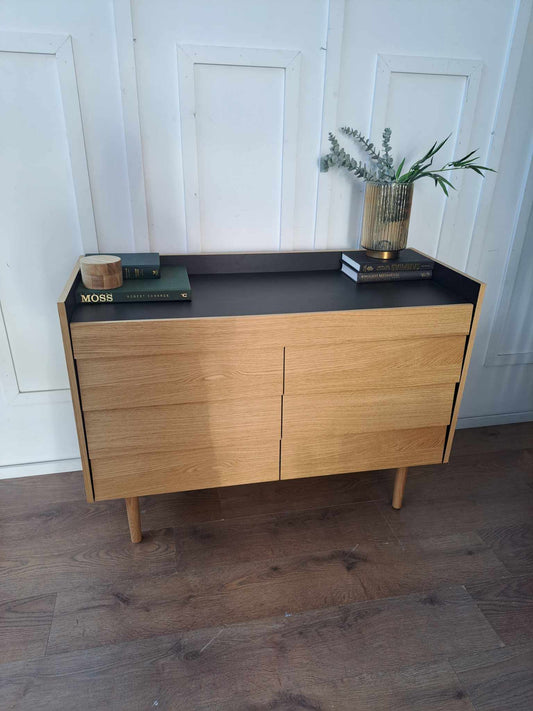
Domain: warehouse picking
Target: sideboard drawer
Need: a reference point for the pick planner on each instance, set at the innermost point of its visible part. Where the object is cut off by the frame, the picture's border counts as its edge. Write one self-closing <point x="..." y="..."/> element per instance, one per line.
<point x="337" y="414"/>
<point x="348" y="365"/>
<point x="114" y="339"/>
<point x="179" y="378"/>
<point x="169" y="336"/>
<point x="193" y="425"/>
<point x="318" y="456"/>
<point x="248" y="461"/>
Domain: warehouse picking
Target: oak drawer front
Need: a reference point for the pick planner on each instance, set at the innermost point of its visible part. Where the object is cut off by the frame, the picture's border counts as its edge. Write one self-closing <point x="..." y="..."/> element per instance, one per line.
<point x="169" y="428"/>
<point x="172" y="336"/>
<point x="186" y="469"/>
<point x="338" y="414"/>
<point x="140" y="338"/>
<point x="179" y="378"/>
<point x="305" y="457"/>
<point x="334" y="368"/>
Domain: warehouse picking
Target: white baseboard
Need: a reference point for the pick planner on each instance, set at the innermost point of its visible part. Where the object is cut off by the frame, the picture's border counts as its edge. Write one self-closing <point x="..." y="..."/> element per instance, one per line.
<point x="11" y="471"/>
<point x="507" y="418"/>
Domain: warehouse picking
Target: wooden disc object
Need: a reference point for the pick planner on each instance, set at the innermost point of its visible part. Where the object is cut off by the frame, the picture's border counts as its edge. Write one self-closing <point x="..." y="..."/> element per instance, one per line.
<point x="101" y="271"/>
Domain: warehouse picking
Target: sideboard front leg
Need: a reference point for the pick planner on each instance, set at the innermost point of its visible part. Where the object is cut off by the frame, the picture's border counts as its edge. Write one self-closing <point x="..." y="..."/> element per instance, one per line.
<point x="134" y="519"/>
<point x="399" y="486"/>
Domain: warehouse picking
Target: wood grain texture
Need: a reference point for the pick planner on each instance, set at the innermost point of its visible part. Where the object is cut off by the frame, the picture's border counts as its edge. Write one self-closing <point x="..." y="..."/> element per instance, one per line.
<point x="346" y="366"/>
<point x="24" y="627"/>
<point x="134" y="518"/>
<point x="400" y="626"/>
<point x="214" y="667"/>
<point x="180" y="508"/>
<point x="304" y="493"/>
<point x="186" y="469"/>
<point x="37" y="567"/>
<point x="513" y="544"/>
<point x="468" y="355"/>
<point x="324" y="455"/>
<point x="101" y="271"/>
<point x="508" y="606"/>
<point x="423" y="687"/>
<point x="256" y="538"/>
<point x="473" y="478"/>
<point x="109" y="383"/>
<point x="214" y="594"/>
<point x="139" y="338"/>
<point x="361" y="619"/>
<point x="180" y="672"/>
<point x="73" y="381"/>
<point x="498" y="679"/>
<point x="168" y="428"/>
<point x="399" y="487"/>
<point x="495" y="438"/>
<point x="40" y="491"/>
<point x="173" y="669"/>
<point x="434" y="510"/>
<point x="380" y="410"/>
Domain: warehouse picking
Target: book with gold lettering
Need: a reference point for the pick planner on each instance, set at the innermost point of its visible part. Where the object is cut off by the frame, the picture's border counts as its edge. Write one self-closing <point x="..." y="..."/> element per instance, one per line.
<point x="364" y="278"/>
<point x="138" y="265"/>
<point x="407" y="261"/>
<point x="172" y="285"/>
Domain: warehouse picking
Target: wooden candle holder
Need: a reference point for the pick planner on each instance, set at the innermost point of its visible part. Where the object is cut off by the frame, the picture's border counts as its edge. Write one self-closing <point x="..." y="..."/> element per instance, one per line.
<point x="101" y="271"/>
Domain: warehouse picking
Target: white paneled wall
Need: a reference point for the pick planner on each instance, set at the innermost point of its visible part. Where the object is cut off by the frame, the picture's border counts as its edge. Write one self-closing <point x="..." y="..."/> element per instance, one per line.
<point x="196" y="125"/>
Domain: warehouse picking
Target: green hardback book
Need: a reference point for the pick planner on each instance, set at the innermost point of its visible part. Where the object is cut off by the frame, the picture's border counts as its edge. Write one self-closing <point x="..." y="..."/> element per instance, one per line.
<point x="173" y="285"/>
<point x="138" y="265"/>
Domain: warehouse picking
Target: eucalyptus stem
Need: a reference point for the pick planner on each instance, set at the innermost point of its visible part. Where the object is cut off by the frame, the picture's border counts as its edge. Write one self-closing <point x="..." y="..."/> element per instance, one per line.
<point x="385" y="172"/>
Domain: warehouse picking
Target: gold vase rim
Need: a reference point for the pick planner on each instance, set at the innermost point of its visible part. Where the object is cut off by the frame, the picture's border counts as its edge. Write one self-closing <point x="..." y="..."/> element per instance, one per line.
<point x="378" y="254"/>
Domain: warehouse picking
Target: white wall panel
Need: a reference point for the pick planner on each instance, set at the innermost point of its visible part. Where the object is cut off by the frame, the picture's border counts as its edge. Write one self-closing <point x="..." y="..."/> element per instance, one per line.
<point x="42" y="235"/>
<point x="424" y="107"/>
<point x="243" y="26"/>
<point x="479" y="30"/>
<point x="240" y="147"/>
<point x="428" y="99"/>
<point x="239" y="156"/>
<point x="517" y="336"/>
<point x="63" y="191"/>
<point x="511" y="337"/>
<point x="496" y="389"/>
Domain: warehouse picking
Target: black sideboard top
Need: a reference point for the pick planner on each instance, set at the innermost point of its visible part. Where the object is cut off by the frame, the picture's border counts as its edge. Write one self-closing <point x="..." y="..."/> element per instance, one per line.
<point x="277" y="283"/>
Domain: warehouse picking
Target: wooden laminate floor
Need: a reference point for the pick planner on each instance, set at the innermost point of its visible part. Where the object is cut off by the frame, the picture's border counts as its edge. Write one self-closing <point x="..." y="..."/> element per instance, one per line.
<point x="306" y="595"/>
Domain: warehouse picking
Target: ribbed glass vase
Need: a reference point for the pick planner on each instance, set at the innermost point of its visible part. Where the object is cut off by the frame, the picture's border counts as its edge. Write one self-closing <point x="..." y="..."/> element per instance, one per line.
<point x="386" y="219"/>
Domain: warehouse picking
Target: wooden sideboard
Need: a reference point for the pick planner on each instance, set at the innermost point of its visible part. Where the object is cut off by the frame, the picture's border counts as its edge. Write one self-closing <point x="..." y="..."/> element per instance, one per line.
<point x="279" y="368"/>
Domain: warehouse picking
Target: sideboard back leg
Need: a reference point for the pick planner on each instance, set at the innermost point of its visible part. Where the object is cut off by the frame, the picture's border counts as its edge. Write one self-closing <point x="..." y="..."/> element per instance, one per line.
<point x="399" y="486"/>
<point x="134" y="519"/>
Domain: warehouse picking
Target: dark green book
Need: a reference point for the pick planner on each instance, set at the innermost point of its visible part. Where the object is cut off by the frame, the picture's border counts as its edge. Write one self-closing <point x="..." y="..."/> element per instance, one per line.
<point x="138" y="265"/>
<point x="173" y="285"/>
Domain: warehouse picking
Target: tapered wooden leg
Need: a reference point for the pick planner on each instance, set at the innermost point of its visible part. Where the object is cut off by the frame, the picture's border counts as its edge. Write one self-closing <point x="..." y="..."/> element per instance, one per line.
<point x="399" y="486"/>
<point x="134" y="519"/>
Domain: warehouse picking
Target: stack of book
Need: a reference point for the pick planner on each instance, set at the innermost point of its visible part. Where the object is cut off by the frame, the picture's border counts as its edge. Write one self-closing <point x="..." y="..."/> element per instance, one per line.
<point x="407" y="266"/>
<point x="144" y="279"/>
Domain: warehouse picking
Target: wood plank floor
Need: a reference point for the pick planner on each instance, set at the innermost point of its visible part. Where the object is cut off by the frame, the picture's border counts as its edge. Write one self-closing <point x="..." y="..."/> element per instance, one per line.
<point x="308" y="595"/>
